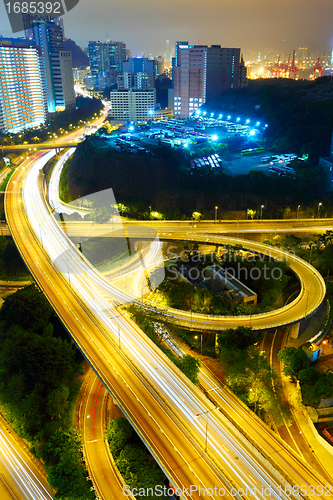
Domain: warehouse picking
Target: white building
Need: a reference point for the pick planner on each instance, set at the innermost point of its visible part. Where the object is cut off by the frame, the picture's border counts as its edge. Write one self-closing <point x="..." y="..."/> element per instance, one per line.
<point x="132" y="105"/>
<point x="57" y="66"/>
<point x="23" y="99"/>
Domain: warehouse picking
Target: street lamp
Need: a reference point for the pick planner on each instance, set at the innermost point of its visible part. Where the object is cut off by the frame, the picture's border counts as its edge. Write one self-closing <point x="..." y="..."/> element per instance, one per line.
<point x="216" y="208"/>
<point x="307" y="299"/>
<point x="262" y="206"/>
<point x="319" y="205"/>
<point x="298" y="207"/>
<point x="196" y="336"/>
<point x="144" y="286"/>
<point x="206" y="413"/>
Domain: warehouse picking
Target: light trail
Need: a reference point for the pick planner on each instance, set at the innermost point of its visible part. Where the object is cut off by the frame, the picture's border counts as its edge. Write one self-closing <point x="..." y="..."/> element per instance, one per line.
<point x="178" y="394"/>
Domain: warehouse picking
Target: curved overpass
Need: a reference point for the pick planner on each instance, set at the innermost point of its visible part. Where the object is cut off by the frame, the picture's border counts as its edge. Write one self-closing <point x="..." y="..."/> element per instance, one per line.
<point x="312" y="292"/>
<point x="166" y="409"/>
<point x="306" y="303"/>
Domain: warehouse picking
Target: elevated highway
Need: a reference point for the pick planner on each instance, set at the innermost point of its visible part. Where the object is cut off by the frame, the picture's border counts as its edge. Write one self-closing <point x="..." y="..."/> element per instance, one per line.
<point x="166" y="409"/>
<point x="306" y="303"/>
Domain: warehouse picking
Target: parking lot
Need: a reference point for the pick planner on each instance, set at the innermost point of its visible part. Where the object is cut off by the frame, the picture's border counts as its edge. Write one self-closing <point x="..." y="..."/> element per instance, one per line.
<point x="195" y="135"/>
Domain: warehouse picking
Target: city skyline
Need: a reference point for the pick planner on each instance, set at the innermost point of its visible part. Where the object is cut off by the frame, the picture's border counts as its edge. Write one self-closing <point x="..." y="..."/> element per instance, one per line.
<point x="146" y="27"/>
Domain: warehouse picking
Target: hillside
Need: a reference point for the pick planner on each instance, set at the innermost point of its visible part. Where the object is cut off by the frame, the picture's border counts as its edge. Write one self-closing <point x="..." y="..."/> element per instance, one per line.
<point x="166" y="183"/>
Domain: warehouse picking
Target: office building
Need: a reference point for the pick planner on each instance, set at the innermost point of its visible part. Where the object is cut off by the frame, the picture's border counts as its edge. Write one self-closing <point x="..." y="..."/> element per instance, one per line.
<point x="23" y="101"/>
<point x="57" y="64"/>
<point x="106" y="59"/>
<point x="200" y="73"/>
<point x="135" y="105"/>
<point x="30" y="19"/>
<point x="142" y="66"/>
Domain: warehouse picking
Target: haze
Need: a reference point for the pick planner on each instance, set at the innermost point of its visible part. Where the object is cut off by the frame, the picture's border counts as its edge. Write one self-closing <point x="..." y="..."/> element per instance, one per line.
<point x="282" y="25"/>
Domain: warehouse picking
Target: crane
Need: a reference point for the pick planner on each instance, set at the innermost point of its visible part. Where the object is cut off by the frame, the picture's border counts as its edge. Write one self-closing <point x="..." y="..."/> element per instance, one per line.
<point x="317" y="67"/>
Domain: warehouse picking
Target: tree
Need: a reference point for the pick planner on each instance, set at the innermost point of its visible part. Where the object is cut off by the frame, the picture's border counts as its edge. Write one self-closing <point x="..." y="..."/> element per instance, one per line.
<point x="67" y="473"/>
<point x="118" y="433"/>
<point x="101" y="215"/>
<point x="238" y="338"/>
<point x="28" y="308"/>
<point x="293" y="360"/>
<point x="315" y="385"/>
<point x="190" y="366"/>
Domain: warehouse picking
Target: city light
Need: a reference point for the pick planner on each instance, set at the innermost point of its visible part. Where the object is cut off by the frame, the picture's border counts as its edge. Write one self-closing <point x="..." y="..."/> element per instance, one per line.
<point x="252" y="132"/>
<point x="214" y="137"/>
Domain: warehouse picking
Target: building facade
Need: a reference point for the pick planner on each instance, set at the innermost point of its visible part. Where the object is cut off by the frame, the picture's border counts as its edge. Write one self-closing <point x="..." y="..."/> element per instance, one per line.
<point x="135" y="105"/>
<point x="106" y="60"/>
<point x="200" y="73"/>
<point x="23" y="99"/>
<point x="57" y="66"/>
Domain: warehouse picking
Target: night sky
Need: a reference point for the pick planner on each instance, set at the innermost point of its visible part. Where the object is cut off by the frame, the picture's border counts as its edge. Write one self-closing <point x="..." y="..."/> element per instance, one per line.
<point x="145" y="25"/>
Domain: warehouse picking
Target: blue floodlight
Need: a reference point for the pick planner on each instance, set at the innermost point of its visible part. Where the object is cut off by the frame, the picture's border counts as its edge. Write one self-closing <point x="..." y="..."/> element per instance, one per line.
<point x="212" y="114"/>
<point x="185" y="145"/>
<point x="214" y="137"/>
<point x="229" y="117"/>
<point x="238" y="119"/>
<point x="151" y="111"/>
<point x="220" y="116"/>
<point x="198" y="111"/>
<point x="252" y="132"/>
<point x="131" y="128"/>
<point x="258" y="123"/>
<point x="247" y="121"/>
<point x="204" y="112"/>
<point x="266" y="125"/>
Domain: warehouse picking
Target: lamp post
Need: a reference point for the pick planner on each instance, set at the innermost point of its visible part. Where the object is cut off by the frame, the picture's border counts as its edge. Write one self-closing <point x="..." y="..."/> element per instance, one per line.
<point x="216" y="208"/>
<point x="144" y="286"/>
<point x="298" y="207"/>
<point x="307" y="299"/>
<point x="196" y="336"/>
<point x="262" y="206"/>
<point x="319" y="205"/>
<point x="41" y="237"/>
<point x="206" y="432"/>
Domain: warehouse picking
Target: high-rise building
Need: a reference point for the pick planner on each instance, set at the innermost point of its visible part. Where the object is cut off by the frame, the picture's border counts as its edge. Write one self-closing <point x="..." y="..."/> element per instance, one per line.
<point x="132" y="105"/>
<point x="201" y="73"/>
<point x="140" y="65"/>
<point x="30" y="19"/>
<point x="57" y="65"/>
<point x="23" y="102"/>
<point x="106" y="58"/>
<point x="242" y="73"/>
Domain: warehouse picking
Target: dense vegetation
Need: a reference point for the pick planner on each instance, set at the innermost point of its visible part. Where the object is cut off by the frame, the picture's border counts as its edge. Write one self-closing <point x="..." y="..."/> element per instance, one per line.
<point x="314" y="248"/>
<point x="267" y="278"/>
<point x="314" y="385"/>
<point x="149" y="320"/>
<point x="39" y="384"/>
<point x="137" y="467"/>
<point x="249" y="374"/>
<point x="299" y="114"/>
<point x="11" y="263"/>
<point x="176" y="190"/>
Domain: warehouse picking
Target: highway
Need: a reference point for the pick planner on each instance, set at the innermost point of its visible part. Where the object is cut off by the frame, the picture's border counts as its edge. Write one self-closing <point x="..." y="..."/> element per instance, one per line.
<point x="167" y="410"/>
<point x="312" y="284"/>
<point x="21" y="474"/>
<point x="91" y="409"/>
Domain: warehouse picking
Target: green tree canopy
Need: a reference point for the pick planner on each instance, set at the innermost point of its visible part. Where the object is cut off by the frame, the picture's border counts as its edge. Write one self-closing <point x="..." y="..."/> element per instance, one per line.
<point x="237" y="338"/>
<point x="28" y="308"/>
<point x="293" y="360"/>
